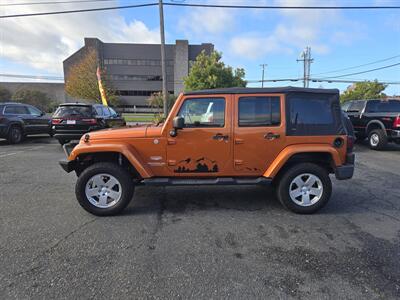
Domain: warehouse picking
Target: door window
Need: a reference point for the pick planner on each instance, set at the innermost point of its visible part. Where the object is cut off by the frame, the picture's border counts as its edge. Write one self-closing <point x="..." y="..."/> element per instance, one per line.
<point x="34" y="111"/>
<point x="203" y="112"/>
<point x="259" y="111"/>
<point x="106" y="112"/>
<point x="99" y="110"/>
<point x="15" y="110"/>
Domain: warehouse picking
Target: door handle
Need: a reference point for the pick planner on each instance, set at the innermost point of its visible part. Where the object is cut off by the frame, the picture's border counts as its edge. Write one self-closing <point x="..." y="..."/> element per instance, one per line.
<point x="220" y="137"/>
<point x="271" y="136"/>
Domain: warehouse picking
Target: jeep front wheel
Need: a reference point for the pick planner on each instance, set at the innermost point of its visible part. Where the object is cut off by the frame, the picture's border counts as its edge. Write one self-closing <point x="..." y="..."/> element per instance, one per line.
<point x="104" y="189"/>
<point x="305" y="188"/>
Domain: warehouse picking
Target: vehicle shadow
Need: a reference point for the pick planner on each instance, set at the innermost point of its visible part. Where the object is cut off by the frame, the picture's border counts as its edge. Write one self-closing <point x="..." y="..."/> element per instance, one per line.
<point x="36" y="139"/>
<point x="363" y="147"/>
<point x="148" y="200"/>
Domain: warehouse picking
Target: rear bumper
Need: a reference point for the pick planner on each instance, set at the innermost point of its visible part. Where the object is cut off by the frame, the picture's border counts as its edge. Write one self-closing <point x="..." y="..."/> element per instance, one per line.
<point x="394" y="134"/>
<point x="346" y="171"/>
<point x="69" y="136"/>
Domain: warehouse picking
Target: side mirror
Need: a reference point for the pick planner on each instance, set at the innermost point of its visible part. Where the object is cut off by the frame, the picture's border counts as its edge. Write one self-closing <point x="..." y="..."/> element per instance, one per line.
<point x="178" y="122"/>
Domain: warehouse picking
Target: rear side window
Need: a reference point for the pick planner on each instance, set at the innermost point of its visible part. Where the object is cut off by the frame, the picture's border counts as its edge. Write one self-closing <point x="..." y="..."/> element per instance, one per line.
<point x="313" y="114"/>
<point x="356" y="106"/>
<point x="383" y="106"/>
<point x="15" y="110"/>
<point x="73" y="111"/>
<point x="259" y="111"/>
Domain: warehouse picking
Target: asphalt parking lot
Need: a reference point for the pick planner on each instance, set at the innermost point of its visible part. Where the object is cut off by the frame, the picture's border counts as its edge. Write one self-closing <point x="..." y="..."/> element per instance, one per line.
<point x="208" y="242"/>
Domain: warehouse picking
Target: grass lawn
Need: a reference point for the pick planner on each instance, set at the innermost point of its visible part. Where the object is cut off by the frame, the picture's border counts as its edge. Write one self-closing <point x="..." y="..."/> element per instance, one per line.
<point x="132" y="117"/>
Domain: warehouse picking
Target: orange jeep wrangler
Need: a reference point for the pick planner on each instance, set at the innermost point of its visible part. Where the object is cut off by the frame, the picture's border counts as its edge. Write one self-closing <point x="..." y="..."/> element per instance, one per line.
<point x="290" y="137"/>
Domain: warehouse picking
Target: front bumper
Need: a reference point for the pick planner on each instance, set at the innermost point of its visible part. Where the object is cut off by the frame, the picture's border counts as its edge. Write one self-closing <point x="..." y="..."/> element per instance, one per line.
<point x="68" y="165"/>
<point x="3" y="130"/>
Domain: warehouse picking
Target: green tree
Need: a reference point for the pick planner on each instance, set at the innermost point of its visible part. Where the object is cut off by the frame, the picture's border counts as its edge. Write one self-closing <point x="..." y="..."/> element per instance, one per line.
<point x="209" y="72"/>
<point x="5" y="95"/>
<point x="82" y="82"/>
<point x="35" y="98"/>
<point x="364" y="90"/>
<point x="156" y="101"/>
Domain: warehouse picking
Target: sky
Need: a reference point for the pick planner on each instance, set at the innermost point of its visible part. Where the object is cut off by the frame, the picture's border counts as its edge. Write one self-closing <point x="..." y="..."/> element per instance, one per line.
<point x="339" y="39"/>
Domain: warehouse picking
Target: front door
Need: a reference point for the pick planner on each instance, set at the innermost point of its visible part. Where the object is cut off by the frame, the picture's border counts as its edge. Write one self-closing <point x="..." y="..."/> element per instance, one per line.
<point x="259" y="133"/>
<point x="203" y="146"/>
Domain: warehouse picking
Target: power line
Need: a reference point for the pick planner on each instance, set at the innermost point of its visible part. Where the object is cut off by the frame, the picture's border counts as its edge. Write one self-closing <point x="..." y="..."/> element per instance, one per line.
<point x="79" y="10"/>
<point x="355" y="67"/>
<point x="280" y="7"/>
<point x="52" y="2"/>
<point x="319" y="80"/>
<point x="200" y="6"/>
<point x="367" y="71"/>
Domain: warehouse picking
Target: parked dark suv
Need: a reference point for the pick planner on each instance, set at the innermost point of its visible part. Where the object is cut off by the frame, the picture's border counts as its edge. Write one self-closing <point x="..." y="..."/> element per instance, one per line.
<point x="377" y="120"/>
<point x="72" y="120"/>
<point x="18" y="120"/>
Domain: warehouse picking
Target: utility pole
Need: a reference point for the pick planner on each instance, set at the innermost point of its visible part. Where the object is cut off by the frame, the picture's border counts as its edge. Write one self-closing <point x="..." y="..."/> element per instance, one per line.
<point x="163" y="67"/>
<point x="263" y="70"/>
<point x="307" y="60"/>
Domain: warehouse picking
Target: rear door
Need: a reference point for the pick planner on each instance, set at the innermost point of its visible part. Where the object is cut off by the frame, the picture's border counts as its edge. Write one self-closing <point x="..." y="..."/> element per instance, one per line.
<point x="19" y="112"/>
<point x="354" y="112"/>
<point x="38" y="120"/>
<point x="259" y="132"/>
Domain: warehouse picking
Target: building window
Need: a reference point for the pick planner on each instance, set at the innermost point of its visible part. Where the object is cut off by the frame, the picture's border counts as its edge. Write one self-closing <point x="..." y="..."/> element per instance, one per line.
<point x="137" y="62"/>
<point x="139" y="93"/>
<point x="135" y="77"/>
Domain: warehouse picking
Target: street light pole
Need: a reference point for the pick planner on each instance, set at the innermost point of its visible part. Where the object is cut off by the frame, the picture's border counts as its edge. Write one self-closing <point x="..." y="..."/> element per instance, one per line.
<point x="163" y="67"/>
<point x="263" y="70"/>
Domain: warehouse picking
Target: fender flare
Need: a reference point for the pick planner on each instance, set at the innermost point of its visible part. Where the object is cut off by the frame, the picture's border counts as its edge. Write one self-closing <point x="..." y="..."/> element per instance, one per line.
<point x="289" y="151"/>
<point x="375" y="122"/>
<point x="127" y="150"/>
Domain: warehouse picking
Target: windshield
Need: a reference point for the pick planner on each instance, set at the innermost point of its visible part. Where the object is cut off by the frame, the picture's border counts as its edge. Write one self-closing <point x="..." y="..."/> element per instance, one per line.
<point x="73" y="111"/>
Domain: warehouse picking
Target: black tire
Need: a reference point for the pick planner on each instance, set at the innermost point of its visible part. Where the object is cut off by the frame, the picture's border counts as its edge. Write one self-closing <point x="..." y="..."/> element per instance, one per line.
<point x="15" y="135"/>
<point x="377" y="144"/>
<point x="122" y="176"/>
<point x="285" y="185"/>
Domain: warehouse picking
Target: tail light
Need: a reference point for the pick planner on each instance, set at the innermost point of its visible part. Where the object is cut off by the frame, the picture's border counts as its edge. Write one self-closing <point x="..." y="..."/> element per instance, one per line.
<point x="90" y="121"/>
<point x="56" y="121"/>
<point x="396" y="122"/>
<point x="350" y="144"/>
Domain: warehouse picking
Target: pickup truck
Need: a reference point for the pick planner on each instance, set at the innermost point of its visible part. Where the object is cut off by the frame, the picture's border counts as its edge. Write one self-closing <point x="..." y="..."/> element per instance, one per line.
<point x="377" y="120"/>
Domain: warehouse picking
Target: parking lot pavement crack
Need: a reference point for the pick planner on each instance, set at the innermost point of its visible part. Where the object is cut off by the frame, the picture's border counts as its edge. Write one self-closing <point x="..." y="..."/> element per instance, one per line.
<point x="71" y="233"/>
<point x="159" y="223"/>
<point x="380" y="213"/>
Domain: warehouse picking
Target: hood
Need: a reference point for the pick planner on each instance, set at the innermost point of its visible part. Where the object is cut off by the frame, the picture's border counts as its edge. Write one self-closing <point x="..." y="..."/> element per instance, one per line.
<point x="121" y="133"/>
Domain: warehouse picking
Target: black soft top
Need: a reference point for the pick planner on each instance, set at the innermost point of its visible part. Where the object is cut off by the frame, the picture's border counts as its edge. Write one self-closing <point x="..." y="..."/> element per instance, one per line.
<point x="277" y="90"/>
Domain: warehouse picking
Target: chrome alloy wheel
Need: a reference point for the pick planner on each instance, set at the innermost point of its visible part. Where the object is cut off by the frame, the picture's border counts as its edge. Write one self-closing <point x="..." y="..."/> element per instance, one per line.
<point x="306" y="189"/>
<point x="374" y="139"/>
<point x="103" y="190"/>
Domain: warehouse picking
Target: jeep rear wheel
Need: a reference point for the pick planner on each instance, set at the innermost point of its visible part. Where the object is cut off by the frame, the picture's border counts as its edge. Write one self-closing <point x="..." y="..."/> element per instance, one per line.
<point x="377" y="139"/>
<point x="305" y="188"/>
<point x="15" y="135"/>
<point x="104" y="189"/>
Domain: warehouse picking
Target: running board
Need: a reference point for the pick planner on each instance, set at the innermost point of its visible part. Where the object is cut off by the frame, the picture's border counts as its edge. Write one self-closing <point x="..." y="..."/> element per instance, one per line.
<point x="206" y="181"/>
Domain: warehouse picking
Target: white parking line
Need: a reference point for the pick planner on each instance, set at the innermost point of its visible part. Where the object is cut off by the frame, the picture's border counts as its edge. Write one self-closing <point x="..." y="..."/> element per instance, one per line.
<point x="8" y="154"/>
